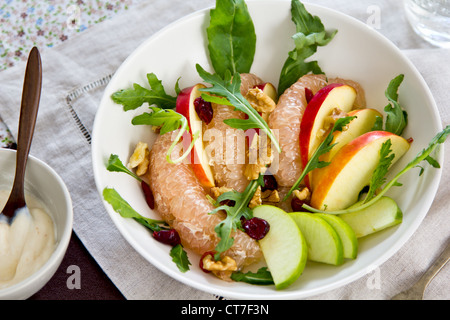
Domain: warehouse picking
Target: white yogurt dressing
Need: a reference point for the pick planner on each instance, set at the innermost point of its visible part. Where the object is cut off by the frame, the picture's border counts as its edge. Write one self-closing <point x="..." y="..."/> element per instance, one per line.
<point x="26" y="244"/>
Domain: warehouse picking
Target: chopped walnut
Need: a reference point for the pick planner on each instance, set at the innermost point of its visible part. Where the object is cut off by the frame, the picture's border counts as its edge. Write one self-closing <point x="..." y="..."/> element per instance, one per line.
<point x="156" y="129"/>
<point x="259" y="157"/>
<point x="217" y="191"/>
<point x="226" y="264"/>
<point x="260" y="101"/>
<point x="303" y="194"/>
<point x="270" y="196"/>
<point x="333" y="117"/>
<point x="256" y="200"/>
<point x="140" y="158"/>
<point x="330" y="120"/>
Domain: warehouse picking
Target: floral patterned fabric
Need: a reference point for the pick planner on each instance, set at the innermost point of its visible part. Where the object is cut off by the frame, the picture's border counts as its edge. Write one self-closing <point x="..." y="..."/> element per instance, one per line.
<point x="45" y="24"/>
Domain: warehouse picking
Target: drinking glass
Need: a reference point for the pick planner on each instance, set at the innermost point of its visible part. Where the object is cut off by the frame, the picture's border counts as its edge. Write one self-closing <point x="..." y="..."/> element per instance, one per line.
<point x="430" y="19"/>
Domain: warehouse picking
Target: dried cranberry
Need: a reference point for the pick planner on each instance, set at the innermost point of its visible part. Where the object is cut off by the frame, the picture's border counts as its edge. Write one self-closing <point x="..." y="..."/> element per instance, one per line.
<point x="230" y="203"/>
<point x="296" y="204"/>
<point x="308" y="94"/>
<point x="204" y="110"/>
<point x="148" y="194"/>
<point x="256" y="228"/>
<point x="270" y="183"/>
<point x="170" y="237"/>
<point x="207" y="253"/>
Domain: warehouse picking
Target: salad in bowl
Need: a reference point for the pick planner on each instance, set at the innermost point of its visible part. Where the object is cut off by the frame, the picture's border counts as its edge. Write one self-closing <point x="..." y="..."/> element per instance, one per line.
<point x="259" y="178"/>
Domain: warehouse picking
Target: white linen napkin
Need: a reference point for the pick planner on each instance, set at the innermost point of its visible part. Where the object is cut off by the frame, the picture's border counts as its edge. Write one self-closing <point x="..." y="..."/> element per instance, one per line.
<point x="75" y="75"/>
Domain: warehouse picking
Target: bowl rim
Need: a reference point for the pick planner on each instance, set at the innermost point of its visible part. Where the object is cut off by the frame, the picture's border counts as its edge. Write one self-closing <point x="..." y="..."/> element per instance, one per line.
<point x="225" y="291"/>
<point x="47" y="270"/>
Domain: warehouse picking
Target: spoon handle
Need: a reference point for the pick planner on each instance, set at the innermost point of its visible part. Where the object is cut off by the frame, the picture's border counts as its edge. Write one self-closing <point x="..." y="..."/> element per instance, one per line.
<point x="28" y="113"/>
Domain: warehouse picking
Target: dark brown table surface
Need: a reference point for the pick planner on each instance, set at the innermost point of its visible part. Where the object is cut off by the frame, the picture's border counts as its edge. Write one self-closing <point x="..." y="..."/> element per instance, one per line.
<point x="95" y="284"/>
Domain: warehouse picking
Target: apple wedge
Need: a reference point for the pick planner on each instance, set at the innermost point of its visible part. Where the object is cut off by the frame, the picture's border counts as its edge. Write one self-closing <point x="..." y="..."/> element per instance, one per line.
<point x="351" y="169"/>
<point x="324" y="244"/>
<point x="363" y="123"/>
<point x="345" y="232"/>
<point x="314" y="120"/>
<point x="382" y="214"/>
<point x="199" y="157"/>
<point x="284" y="247"/>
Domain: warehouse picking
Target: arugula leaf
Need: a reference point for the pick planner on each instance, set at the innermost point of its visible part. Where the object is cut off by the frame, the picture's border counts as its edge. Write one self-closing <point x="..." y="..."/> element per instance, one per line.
<point x="424" y="155"/>
<point x="179" y="256"/>
<point x="324" y="147"/>
<point x="240" y="209"/>
<point x="379" y="174"/>
<point x="115" y="165"/>
<point x="230" y="89"/>
<point x="396" y="119"/>
<point x="168" y="120"/>
<point x="232" y="38"/>
<point x="310" y="33"/>
<point x="122" y="207"/>
<point x="378" y="125"/>
<point x="133" y="98"/>
<point x="261" y="277"/>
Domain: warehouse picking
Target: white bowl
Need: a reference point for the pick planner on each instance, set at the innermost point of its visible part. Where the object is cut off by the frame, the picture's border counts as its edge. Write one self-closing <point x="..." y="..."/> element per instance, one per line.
<point x="357" y="52"/>
<point x="47" y="187"/>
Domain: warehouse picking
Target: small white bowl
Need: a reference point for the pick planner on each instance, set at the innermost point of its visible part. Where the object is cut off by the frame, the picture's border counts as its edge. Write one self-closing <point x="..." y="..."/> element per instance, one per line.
<point x="44" y="184"/>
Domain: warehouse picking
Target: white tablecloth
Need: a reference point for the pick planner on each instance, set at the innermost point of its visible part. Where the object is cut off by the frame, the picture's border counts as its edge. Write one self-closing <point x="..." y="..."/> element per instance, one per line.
<point x="75" y="75"/>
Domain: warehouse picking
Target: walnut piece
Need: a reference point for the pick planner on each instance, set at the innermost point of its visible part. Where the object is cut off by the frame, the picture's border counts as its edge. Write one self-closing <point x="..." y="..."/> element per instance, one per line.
<point x="217" y="191"/>
<point x="270" y="196"/>
<point x="140" y="158"/>
<point x="303" y="194"/>
<point x="256" y="200"/>
<point x="260" y="101"/>
<point x="330" y="120"/>
<point x="259" y="156"/>
<point x="226" y="264"/>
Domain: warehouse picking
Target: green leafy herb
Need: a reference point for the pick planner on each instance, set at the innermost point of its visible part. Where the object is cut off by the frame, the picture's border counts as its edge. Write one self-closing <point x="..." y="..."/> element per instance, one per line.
<point x="231" y="36"/>
<point x="310" y="33"/>
<point x="379" y="174"/>
<point x="179" y="256"/>
<point x="126" y="211"/>
<point x="396" y="119"/>
<point x="167" y="120"/>
<point x="134" y="97"/>
<point x="378" y="125"/>
<point x="115" y="165"/>
<point x="230" y="89"/>
<point x="324" y="147"/>
<point x="226" y="227"/>
<point x="425" y="154"/>
<point x="261" y="277"/>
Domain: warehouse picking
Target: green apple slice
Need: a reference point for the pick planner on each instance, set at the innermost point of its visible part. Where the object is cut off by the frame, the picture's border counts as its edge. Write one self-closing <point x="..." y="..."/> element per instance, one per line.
<point x="345" y="232"/>
<point x="324" y="244"/>
<point x="284" y="247"/>
<point x="382" y="214"/>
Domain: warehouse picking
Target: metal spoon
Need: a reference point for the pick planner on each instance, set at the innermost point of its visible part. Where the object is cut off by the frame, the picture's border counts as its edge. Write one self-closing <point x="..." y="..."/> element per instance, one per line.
<point x="417" y="290"/>
<point x="28" y="112"/>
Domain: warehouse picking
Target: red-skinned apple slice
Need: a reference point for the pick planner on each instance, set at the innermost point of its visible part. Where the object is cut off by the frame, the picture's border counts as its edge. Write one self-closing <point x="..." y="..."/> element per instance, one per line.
<point x="325" y="101"/>
<point x="364" y="122"/>
<point x="199" y="158"/>
<point x="321" y="106"/>
<point x="351" y="169"/>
